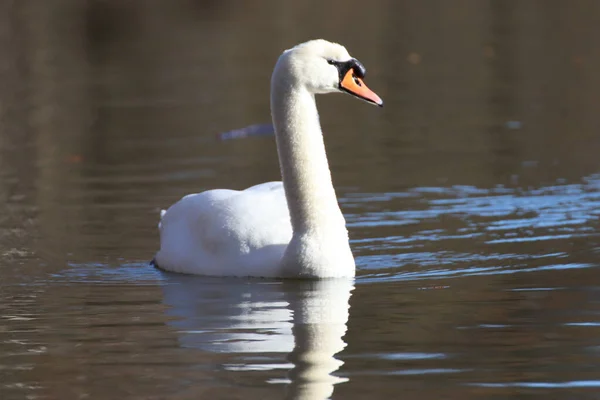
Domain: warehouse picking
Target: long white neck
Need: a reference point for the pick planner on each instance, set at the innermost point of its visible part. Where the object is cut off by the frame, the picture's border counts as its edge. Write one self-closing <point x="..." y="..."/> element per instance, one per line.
<point x="306" y="177"/>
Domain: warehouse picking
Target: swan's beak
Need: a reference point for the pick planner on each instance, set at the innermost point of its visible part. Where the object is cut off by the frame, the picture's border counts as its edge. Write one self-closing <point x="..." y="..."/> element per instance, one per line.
<point x="355" y="86"/>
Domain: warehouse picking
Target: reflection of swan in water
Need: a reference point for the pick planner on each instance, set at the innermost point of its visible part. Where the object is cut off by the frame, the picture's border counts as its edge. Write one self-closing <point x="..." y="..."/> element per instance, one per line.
<point x="305" y="319"/>
<point x="320" y="317"/>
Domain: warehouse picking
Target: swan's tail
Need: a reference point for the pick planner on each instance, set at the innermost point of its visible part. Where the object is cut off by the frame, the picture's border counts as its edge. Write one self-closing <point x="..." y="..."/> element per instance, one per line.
<point x="162" y="214"/>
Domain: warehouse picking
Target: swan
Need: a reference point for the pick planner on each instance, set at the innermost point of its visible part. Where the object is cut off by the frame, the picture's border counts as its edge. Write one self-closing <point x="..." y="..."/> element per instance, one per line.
<point x="289" y="229"/>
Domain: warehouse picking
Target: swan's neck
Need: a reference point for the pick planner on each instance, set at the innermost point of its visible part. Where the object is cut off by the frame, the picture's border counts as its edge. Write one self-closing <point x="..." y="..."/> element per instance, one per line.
<point x="304" y="168"/>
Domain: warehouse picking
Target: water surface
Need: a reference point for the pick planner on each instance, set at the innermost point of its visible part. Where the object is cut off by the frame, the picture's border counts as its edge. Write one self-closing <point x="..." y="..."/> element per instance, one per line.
<point x="472" y="201"/>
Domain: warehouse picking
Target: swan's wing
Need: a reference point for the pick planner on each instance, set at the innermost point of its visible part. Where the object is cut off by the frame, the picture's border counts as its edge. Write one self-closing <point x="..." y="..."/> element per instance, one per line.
<point x="225" y="232"/>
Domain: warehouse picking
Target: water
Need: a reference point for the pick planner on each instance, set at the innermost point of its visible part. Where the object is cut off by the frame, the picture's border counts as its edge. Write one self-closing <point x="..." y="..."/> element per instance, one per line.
<point x="472" y="201"/>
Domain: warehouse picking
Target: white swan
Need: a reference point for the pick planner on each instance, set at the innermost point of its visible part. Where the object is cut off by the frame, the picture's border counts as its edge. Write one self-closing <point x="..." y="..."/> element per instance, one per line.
<point x="256" y="232"/>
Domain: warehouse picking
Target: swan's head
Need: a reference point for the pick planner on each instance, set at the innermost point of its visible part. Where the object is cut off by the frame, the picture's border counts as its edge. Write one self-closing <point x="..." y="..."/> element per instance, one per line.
<point x="323" y="67"/>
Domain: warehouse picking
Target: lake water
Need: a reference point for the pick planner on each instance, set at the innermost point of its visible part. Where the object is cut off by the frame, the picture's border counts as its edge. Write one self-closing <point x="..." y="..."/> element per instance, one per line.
<point x="472" y="201"/>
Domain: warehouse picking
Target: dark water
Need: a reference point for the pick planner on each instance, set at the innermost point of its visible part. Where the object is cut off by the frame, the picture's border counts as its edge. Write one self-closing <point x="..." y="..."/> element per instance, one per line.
<point x="472" y="201"/>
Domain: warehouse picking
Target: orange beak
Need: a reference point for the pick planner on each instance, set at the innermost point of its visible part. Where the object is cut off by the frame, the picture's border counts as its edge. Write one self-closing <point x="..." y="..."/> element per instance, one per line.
<point x="355" y="86"/>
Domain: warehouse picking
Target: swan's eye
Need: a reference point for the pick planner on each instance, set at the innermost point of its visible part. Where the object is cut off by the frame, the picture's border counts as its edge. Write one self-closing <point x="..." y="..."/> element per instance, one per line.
<point x="356" y="80"/>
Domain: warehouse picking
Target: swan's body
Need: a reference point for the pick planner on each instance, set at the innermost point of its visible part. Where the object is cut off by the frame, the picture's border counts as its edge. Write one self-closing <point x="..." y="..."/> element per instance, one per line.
<point x="293" y="228"/>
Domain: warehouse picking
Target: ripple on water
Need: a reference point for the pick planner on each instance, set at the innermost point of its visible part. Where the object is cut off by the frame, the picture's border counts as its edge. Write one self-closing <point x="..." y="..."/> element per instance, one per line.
<point x="472" y="231"/>
<point x="138" y="273"/>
